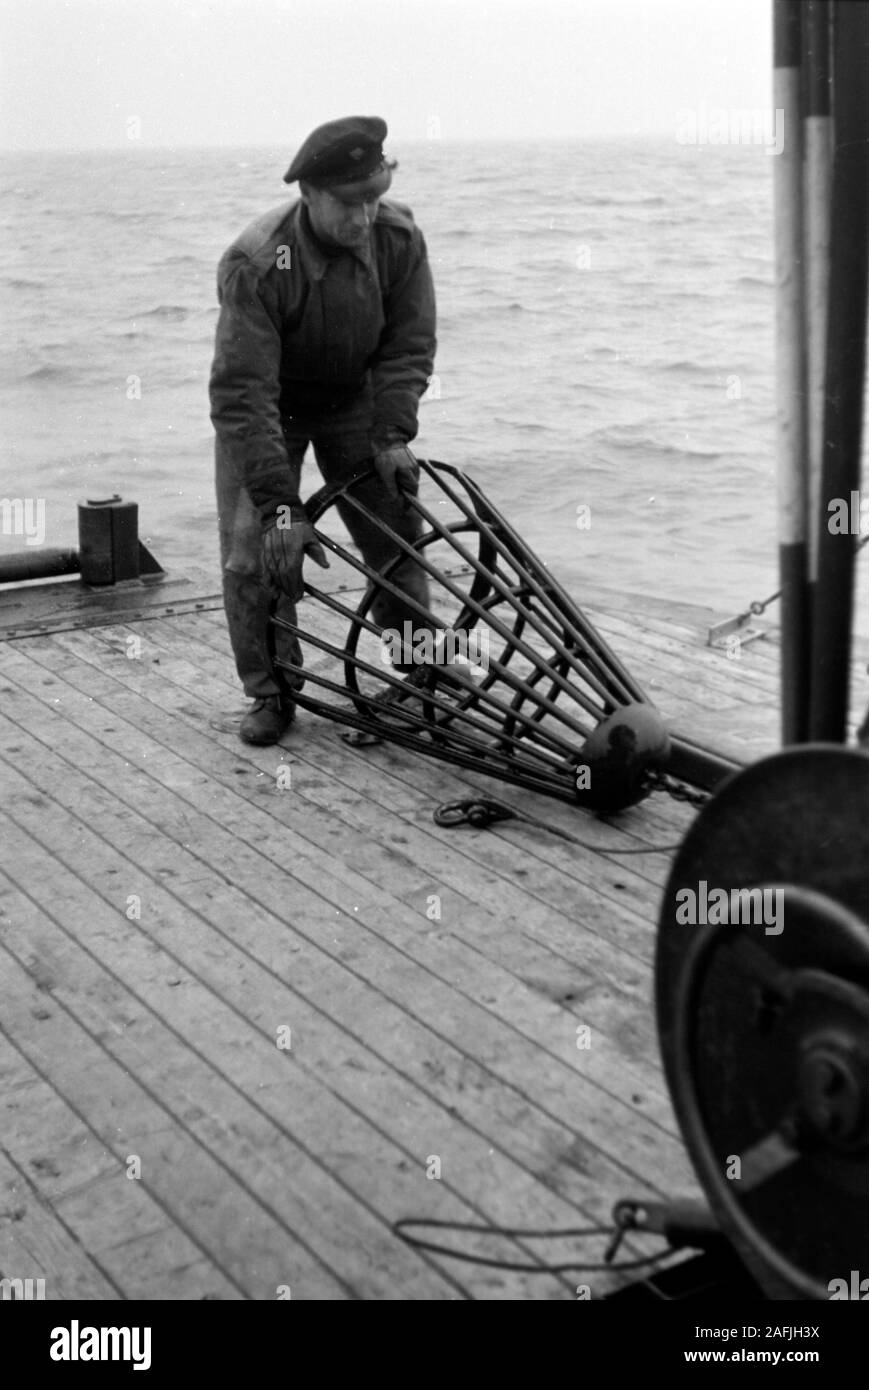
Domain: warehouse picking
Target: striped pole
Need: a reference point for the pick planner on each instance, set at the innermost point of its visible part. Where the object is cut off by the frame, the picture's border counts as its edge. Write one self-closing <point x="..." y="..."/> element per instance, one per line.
<point x="791" y="398"/>
<point x="817" y="182"/>
<point x="845" y="374"/>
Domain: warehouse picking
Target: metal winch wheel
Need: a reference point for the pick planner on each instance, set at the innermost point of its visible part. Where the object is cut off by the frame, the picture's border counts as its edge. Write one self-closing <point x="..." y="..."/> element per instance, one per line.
<point x="763" y="1013"/>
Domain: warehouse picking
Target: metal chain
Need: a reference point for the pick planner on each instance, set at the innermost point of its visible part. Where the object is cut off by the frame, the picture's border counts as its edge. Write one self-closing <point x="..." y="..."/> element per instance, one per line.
<point x="679" y="791"/>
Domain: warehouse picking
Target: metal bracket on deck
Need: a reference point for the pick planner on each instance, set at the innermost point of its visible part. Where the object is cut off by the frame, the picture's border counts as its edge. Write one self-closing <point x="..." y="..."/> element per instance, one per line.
<point x="721" y="635"/>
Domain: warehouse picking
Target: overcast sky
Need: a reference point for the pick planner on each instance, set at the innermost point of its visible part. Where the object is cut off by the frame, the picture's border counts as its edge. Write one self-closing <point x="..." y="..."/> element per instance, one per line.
<point x="73" y="74"/>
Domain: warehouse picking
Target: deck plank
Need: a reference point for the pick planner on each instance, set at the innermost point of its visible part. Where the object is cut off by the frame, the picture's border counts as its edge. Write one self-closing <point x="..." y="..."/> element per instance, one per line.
<point x="413" y="1034"/>
<point x="490" y="1164"/>
<point x="320" y="750"/>
<point x="372" y="809"/>
<point x="496" y="1045"/>
<point x="139" y="1028"/>
<point x="37" y="1244"/>
<point x="74" y="1174"/>
<point x="266" y="1068"/>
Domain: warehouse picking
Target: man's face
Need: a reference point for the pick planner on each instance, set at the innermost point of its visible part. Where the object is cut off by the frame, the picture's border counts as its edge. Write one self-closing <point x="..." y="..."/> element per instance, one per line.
<point x="341" y="216"/>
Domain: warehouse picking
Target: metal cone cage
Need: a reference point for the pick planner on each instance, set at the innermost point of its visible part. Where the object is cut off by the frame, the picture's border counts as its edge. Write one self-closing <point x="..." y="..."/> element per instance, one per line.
<point x="498" y="670"/>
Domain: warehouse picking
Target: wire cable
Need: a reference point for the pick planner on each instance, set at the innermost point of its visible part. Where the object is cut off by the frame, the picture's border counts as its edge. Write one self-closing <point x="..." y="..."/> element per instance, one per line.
<point x="517" y="1232"/>
<point x="483" y="811"/>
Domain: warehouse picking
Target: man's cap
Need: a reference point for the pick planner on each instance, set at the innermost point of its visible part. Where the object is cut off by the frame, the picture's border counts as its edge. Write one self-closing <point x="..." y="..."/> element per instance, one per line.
<point x="348" y="151"/>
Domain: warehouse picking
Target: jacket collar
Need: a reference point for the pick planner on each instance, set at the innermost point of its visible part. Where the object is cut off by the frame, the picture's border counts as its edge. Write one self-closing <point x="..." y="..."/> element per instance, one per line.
<point x="316" y="261"/>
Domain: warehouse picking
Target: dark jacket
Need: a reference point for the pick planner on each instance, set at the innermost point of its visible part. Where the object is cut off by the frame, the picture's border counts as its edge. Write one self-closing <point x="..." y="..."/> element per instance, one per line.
<point x="302" y="332"/>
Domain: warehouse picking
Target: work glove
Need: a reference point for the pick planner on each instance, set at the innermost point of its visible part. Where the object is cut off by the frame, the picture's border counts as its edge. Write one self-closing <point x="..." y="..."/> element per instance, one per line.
<point x="288" y="537"/>
<point x="398" y="470"/>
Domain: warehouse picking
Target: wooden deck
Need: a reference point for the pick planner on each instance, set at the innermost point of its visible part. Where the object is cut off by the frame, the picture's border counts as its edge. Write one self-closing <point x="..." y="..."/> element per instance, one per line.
<point x="173" y="901"/>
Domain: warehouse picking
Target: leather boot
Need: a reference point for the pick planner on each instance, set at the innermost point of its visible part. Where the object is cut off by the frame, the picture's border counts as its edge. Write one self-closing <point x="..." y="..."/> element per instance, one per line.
<point x="267" y="719"/>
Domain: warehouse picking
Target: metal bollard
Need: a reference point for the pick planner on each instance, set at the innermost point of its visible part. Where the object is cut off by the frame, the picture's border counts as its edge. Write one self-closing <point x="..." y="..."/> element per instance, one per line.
<point x="108" y="537"/>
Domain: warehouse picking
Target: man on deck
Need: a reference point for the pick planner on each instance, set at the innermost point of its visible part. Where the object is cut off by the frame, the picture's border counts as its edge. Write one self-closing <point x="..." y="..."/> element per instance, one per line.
<point x="326" y="336"/>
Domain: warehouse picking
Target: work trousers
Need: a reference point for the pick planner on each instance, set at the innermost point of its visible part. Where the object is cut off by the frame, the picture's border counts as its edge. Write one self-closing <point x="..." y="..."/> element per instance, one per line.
<point x="341" y="443"/>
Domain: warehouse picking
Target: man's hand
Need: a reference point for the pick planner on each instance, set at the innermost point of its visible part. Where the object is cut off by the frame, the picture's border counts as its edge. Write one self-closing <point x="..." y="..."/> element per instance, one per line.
<point x="398" y="470"/>
<point x="288" y="537"/>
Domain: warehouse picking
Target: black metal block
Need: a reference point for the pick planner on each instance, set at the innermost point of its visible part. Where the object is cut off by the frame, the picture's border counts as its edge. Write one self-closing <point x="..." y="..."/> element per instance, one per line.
<point x="108" y="540"/>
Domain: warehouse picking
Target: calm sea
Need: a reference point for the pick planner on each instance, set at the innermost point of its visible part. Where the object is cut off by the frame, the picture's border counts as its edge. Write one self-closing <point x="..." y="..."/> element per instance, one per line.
<point x="605" y="341"/>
